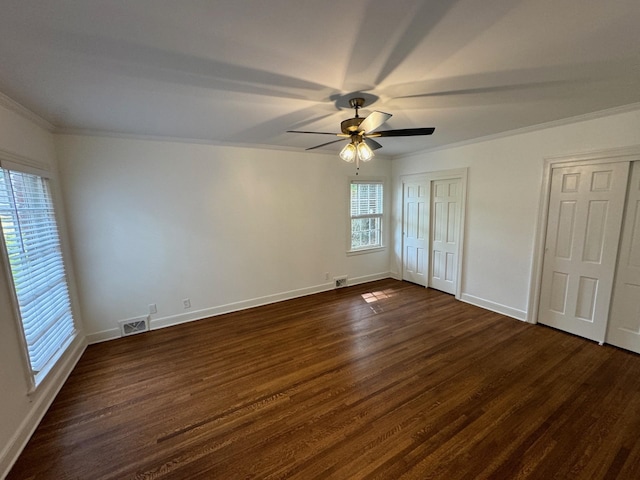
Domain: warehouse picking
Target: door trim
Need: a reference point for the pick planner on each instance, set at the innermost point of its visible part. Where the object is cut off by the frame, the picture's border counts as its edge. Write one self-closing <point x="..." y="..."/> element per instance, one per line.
<point x="428" y="177"/>
<point x="615" y="155"/>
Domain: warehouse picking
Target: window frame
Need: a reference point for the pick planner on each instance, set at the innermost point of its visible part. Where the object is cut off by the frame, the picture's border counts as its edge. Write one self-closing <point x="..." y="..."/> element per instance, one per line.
<point x="27" y="166"/>
<point x="382" y="216"/>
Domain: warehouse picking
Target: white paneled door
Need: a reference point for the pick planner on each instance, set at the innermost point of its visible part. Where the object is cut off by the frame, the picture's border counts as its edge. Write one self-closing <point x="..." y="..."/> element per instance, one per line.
<point x="583" y="229"/>
<point x="624" y="320"/>
<point x="415" y="232"/>
<point x="445" y="223"/>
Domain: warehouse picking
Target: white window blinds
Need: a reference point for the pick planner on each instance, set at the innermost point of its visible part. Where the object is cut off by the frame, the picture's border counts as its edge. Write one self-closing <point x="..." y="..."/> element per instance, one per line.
<point x="366" y="215"/>
<point x="35" y="259"/>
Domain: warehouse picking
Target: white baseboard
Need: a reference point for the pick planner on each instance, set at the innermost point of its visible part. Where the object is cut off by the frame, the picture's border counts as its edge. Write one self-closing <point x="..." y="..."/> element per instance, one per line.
<point x="172" y="320"/>
<point x="103" y="336"/>
<point x="494" y="307"/>
<point x="369" y="278"/>
<point x="42" y="400"/>
<point x="257" y="302"/>
<point x="157" y="323"/>
<point x="395" y="276"/>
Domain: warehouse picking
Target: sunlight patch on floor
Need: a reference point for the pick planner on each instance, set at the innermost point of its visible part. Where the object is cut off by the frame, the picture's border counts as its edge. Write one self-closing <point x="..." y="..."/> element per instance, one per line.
<point x="373" y="297"/>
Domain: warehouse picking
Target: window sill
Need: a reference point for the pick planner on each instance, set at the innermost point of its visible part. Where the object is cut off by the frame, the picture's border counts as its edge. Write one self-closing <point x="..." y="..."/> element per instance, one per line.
<point x="365" y="250"/>
<point x="39" y="378"/>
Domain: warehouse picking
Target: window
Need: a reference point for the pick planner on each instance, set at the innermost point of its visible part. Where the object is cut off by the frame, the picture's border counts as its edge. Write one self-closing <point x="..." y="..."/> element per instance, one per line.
<point x="35" y="262"/>
<point x="366" y="215"/>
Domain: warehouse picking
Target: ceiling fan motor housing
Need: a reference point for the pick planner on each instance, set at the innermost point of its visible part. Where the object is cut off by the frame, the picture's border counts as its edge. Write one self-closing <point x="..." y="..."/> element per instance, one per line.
<point x="351" y="125"/>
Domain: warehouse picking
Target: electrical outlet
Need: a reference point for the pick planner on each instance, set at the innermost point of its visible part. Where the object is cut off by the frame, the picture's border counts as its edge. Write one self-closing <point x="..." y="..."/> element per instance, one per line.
<point x="186" y="303"/>
<point x="153" y="308"/>
<point x="326" y="275"/>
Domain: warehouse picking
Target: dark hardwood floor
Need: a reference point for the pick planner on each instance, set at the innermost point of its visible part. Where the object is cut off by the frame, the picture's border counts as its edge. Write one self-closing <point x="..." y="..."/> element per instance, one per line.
<point x="385" y="380"/>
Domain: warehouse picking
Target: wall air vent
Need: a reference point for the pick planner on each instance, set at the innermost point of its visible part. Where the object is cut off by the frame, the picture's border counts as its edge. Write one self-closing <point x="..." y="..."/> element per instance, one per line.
<point x="132" y="326"/>
<point x="340" y="281"/>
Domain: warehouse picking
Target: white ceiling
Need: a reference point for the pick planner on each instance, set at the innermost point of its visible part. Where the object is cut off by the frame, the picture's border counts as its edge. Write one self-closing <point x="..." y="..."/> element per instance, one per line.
<point x="243" y="72"/>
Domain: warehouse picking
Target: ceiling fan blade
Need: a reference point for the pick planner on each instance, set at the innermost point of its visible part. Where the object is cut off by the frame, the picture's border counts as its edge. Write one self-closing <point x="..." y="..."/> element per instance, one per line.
<point x="405" y="132"/>
<point x="325" y="144"/>
<point x="317" y="133"/>
<point x="373" y="121"/>
<point x="373" y="145"/>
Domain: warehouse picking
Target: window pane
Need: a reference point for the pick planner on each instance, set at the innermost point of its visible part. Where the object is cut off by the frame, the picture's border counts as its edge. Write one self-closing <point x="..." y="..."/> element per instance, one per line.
<point x="366" y="214"/>
<point x="366" y="199"/>
<point x="31" y="237"/>
<point x="366" y="232"/>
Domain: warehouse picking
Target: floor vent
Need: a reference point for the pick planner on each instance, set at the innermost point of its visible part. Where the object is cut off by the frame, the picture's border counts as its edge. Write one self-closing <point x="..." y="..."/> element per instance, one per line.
<point x="134" y="325"/>
<point x="341" y="282"/>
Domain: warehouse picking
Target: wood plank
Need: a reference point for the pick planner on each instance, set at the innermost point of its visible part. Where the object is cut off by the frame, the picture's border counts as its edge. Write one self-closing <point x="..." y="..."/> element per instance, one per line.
<point x="384" y="380"/>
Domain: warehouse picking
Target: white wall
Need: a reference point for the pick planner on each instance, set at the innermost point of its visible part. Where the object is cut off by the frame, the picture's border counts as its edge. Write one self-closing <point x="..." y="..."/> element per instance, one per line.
<point x="503" y="195"/>
<point x="156" y="222"/>
<point x="227" y="227"/>
<point x="23" y="137"/>
<point x="20" y="413"/>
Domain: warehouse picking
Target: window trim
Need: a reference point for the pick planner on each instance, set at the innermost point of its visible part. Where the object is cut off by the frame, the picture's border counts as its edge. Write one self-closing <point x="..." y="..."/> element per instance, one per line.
<point x="9" y="161"/>
<point x="373" y="248"/>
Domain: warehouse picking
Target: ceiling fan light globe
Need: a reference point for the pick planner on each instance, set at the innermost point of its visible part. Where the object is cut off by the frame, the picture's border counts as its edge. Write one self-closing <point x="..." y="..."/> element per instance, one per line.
<point x="348" y="153"/>
<point x="364" y="152"/>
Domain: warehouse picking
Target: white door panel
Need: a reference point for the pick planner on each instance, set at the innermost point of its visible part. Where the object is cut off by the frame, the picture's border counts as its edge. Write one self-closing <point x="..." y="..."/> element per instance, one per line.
<point x="415" y="234"/>
<point x="624" y="321"/>
<point x="583" y="229"/>
<point x="445" y="226"/>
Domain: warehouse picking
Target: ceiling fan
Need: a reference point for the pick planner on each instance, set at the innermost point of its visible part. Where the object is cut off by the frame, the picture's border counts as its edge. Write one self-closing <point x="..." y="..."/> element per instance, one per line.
<point x="361" y="132"/>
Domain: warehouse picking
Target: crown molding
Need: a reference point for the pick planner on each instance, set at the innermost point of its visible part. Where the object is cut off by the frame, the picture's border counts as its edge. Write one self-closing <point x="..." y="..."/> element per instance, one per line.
<point x="533" y="128"/>
<point x="192" y="141"/>
<point x="159" y="138"/>
<point x="88" y="132"/>
<point x="23" y="111"/>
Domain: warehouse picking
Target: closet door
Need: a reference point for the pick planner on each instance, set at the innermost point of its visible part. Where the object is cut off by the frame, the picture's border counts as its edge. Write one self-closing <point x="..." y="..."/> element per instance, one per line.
<point x="583" y="229"/>
<point x="445" y="230"/>
<point x="624" y="321"/>
<point x="415" y="240"/>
